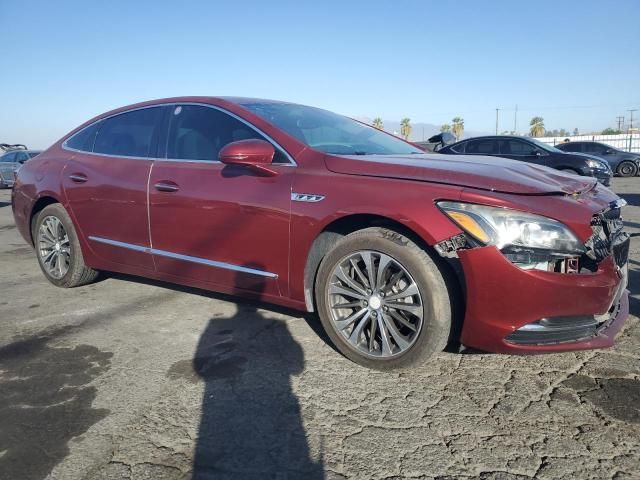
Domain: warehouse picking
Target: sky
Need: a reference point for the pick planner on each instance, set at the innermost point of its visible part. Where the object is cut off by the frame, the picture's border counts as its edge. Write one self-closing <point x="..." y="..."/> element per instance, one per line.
<point x="576" y="64"/>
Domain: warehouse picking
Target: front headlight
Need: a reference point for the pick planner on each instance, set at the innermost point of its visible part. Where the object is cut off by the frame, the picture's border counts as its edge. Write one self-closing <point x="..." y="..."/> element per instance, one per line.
<point x="504" y="227"/>
<point x="597" y="164"/>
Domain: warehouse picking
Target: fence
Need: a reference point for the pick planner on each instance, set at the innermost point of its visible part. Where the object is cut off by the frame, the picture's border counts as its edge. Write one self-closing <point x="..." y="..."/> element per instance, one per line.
<point x="629" y="142"/>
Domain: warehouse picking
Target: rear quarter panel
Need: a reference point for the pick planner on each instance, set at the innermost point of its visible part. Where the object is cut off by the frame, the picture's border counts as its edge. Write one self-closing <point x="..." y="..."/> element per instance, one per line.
<point x="38" y="178"/>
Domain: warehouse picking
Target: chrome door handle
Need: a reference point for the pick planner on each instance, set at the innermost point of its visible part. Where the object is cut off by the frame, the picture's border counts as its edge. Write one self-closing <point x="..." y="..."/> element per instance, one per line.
<point x="78" y="177"/>
<point x="166" y="186"/>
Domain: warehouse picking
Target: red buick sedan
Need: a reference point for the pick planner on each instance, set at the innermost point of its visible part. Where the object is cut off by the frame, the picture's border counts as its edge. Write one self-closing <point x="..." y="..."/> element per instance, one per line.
<point x="399" y="252"/>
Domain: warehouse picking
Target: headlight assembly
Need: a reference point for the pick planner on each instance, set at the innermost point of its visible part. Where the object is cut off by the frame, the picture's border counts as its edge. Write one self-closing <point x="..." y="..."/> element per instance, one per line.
<point x="597" y="164"/>
<point x="509" y="229"/>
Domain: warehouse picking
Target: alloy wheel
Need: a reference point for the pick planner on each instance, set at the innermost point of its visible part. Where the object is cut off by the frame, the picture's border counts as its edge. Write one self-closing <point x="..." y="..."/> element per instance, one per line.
<point x="626" y="169"/>
<point x="54" y="247"/>
<point x="375" y="304"/>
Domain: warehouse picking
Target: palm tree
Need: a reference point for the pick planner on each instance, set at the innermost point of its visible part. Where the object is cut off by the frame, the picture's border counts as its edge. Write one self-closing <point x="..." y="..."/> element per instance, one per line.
<point x="405" y="128"/>
<point x="458" y="127"/>
<point x="377" y="123"/>
<point x="537" y="126"/>
<point x="445" y="128"/>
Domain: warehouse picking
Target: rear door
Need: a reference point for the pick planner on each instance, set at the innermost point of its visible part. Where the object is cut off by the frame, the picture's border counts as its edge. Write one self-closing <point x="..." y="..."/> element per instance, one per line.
<point x="106" y="184"/>
<point x="223" y="225"/>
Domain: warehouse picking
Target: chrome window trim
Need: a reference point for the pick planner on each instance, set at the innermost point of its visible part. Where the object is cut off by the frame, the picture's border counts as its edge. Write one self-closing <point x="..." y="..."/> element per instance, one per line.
<point x="187" y="258"/>
<point x="292" y="162"/>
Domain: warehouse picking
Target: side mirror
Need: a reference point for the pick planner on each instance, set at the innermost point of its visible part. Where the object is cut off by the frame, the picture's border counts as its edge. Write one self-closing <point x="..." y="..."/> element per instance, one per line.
<point x="253" y="154"/>
<point x="538" y="153"/>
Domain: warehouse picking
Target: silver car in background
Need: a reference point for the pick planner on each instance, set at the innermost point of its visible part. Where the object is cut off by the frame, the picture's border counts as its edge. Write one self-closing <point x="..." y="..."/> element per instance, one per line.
<point x="10" y="162"/>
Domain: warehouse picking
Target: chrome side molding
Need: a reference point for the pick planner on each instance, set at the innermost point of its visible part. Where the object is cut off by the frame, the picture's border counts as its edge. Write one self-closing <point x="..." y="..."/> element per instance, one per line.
<point x="186" y="258"/>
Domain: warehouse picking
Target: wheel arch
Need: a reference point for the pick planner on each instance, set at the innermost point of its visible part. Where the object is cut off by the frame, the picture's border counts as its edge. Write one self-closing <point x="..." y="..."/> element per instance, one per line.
<point x="39" y="205"/>
<point x="338" y="228"/>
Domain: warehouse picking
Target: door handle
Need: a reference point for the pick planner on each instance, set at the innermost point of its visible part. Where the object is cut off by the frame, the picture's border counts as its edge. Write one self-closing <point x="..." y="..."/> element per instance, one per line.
<point x="78" y="177"/>
<point x="166" y="186"/>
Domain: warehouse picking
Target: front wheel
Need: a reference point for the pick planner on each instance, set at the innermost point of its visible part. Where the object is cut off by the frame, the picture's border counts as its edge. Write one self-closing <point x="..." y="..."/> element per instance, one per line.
<point x="383" y="300"/>
<point x="627" y="169"/>
<point x="58" y="249"/>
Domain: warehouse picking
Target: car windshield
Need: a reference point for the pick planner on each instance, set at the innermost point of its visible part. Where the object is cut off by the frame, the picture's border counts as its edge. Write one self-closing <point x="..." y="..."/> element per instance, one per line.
<point x="545" y="146"/>
<point x="329" y="132"/>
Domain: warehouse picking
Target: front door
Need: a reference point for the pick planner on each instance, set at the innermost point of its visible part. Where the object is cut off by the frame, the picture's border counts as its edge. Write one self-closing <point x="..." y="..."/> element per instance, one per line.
<point x="223" y="225"/>
<point x="106" y="184"/>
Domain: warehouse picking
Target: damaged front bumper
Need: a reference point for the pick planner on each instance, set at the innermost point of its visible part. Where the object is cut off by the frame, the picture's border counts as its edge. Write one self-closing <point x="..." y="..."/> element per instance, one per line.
<point x="559" y="304"/>
<point x="510" y="310"/>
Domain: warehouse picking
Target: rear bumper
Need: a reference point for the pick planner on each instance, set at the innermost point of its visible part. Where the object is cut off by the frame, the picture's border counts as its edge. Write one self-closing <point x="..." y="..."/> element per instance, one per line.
<point x="502" y="298"/>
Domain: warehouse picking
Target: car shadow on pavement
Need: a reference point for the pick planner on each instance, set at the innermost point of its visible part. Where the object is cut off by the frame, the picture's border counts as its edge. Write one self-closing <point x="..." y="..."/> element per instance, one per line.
<point x="251" y="423"/>
<point x="5" y="204"/>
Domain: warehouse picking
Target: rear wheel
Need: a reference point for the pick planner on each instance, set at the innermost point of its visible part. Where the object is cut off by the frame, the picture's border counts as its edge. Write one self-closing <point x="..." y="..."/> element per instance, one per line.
<point x="58" y="249"/>
<point x="382" y="300"/>
<point x="627" y="169"/>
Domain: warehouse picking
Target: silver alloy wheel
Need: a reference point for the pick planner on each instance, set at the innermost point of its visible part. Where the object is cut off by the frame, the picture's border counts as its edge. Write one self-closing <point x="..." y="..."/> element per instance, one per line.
<point x="375" y="304"/>
<point x="54" y="247"/>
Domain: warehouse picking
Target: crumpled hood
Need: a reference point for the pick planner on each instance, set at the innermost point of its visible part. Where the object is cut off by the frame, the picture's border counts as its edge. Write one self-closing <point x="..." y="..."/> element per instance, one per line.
<point x="472" y="171"/>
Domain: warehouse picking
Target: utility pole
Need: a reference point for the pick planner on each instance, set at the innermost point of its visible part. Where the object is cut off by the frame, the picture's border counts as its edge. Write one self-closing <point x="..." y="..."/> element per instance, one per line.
<point x="631" y="118"/>
<point x="497" y="110"/>
<point x="620" y="122"/>
<point x="515" y="121"/>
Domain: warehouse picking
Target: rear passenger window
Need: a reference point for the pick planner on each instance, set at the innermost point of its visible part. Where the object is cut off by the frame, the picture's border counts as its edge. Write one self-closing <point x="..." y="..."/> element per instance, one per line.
<point x="198" y="133"/>
<point x="128" y="134"/>
<point x="482" y="147"/>
<point x="83" y="140"/>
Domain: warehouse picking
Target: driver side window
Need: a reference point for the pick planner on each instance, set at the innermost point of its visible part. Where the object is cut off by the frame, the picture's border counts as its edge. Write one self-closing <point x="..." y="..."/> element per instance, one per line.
<point x="198" y="132"/>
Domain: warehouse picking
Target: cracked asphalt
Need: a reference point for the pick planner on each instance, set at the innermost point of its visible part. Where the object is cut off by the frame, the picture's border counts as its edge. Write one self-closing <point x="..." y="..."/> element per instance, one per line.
<point x="133" y="379"/>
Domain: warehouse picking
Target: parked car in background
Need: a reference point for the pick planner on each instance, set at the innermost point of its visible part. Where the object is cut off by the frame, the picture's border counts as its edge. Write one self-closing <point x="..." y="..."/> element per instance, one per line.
<point x="625" y="164"/>
<point x="533" y="151"/>
<point x="10" y="162"/>
<point x="397" y="250"/>
<point x="436" y="142"/>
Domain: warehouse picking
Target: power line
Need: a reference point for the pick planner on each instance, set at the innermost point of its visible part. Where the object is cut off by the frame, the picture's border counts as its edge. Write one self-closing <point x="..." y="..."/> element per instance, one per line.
<point x="620" y="122"/>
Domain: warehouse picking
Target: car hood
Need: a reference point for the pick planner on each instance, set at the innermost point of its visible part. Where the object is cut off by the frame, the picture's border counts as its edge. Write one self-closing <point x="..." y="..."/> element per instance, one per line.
<point x="473" y="171"/>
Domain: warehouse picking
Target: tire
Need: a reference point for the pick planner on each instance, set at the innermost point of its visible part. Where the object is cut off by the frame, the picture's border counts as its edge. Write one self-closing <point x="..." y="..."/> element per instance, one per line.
<point x="55" y="236"/>
<point x="627" y="169"/>
<point x="416" y="269"/>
